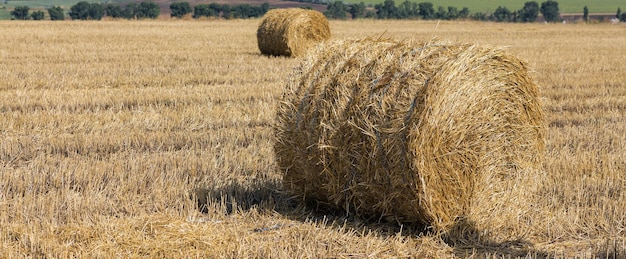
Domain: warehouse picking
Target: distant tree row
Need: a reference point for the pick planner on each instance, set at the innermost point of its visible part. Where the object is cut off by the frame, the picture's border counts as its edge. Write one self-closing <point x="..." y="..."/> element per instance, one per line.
<point x="95" y="11"/>
<point x="180" y="9"/>
<point x="92" y="11"/>
<point x="335" y="10"/>
<point x="427" y="11"/>
<point x="22" y="13"/>
<point x="528" y="13"/>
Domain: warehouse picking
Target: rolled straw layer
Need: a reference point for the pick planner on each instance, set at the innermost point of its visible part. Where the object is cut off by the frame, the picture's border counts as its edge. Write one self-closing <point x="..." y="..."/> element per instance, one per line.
<point x="436" y="133"/>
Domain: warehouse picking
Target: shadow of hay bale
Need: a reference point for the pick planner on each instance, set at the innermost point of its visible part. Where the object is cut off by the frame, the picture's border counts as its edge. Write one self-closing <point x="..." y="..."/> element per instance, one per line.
<point x="510" y="249"/>
<point x="237" y="197"/>
<point x="610" y="249"/>
<point x="266" y="196"/>
<point x="467" y="241"/>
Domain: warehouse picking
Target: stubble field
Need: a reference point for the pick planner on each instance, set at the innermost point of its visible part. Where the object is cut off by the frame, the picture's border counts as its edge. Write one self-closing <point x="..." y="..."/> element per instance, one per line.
<point x="154" y="139"/>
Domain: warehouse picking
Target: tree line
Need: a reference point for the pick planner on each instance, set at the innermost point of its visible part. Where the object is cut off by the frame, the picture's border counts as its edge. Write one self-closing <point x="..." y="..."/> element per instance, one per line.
<point x="92" y="11"/>
<point x="427" y="11"/>
<point x="335" y="10"/>
<point x="144" y="10"/>
<point x="242" y="11"/>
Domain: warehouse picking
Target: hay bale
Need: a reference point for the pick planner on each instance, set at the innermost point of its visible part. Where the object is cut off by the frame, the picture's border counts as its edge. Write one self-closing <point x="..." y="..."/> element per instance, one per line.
<point x="435" y="133"/>
<point x="291" y="31"/>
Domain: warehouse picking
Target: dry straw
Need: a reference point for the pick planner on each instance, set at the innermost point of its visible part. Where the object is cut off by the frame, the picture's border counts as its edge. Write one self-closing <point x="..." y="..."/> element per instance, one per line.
<point x="447" y="135"/>
<point x="291" y="31"/>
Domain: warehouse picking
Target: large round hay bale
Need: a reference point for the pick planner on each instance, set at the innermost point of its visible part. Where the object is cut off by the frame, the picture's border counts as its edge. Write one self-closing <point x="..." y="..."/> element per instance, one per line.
<point x="291" y="31"/>
<point x="435" y="133"/>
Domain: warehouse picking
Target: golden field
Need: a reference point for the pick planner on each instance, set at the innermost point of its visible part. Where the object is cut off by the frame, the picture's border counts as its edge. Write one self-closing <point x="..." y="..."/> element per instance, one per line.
<point x="111" y="131"/>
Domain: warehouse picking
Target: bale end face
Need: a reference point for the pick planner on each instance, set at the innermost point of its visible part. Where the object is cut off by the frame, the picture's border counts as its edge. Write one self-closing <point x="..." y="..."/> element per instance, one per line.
<point x="291" y="31"/>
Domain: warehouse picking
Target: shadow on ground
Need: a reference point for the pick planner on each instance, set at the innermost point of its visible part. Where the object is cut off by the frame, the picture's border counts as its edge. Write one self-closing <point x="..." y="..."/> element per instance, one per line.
<point x="235" y="196"/>
<point x="267" y="196"/>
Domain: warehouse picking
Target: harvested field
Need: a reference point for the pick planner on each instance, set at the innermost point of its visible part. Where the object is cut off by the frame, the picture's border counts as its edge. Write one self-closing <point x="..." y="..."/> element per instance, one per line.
<point x="155" y="139"/>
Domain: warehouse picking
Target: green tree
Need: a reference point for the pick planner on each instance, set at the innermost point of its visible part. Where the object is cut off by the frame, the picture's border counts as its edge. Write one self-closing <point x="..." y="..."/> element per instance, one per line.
<point x="114" y="11"/>
<point x="426" y="10"/>
<point x="80" y="11"/>
<point x="480" y="16"/>
<point x="96" y="11"/>
<point x="131" y="10"/>
<point x="207" y="10"/>
<point x="464" y="13"/>
<point x="202" y="10"/>
<point x="225" y="11"/>
<point x="502" y="14"/>
<point x="619" y="13"/>
<point x="550" y="11"/>
<point x="56" y="13"/>
<point x="336" y="10"/>
<point x="453" y="13"/>
<point x="442" y="13"/>
<point x="180" y="9"/>
<point x="386" y="10"/>
<point x="20" y="13"/>
<point x="243" y="11"/>
<point x="264" y="8"/>
<point x="357" y="10"/>
<point x="407" y="9"/>
<point x="37" y="15"/>
<point x="586" y="14"/>
<point x="217" y="9"/>
<point x="246" y="11"/>
<point x="529" y="12"/>
<point x="622" y="17"/>
<point x="234" y="12"/>
<point x="147" y="10"/>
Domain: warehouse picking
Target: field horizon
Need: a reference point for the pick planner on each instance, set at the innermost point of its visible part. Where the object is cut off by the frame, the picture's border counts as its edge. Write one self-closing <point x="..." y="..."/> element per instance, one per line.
<point x="155" y="139"/>
<point x="566" y="7"/>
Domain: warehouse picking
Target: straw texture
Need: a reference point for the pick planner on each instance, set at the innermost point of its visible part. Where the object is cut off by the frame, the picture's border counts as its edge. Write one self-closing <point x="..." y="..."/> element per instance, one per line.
<point x="443" y="134"/>
<point x="291" y="31"/>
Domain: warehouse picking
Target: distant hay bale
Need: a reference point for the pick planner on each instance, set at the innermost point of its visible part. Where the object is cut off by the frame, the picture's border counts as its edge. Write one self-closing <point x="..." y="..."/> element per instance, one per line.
<point x="434" y="133"/>
<point x="291" y="31"/>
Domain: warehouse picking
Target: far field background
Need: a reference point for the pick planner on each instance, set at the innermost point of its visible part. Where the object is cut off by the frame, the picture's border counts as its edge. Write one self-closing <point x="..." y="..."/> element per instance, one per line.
<point x="486" y="6"/>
